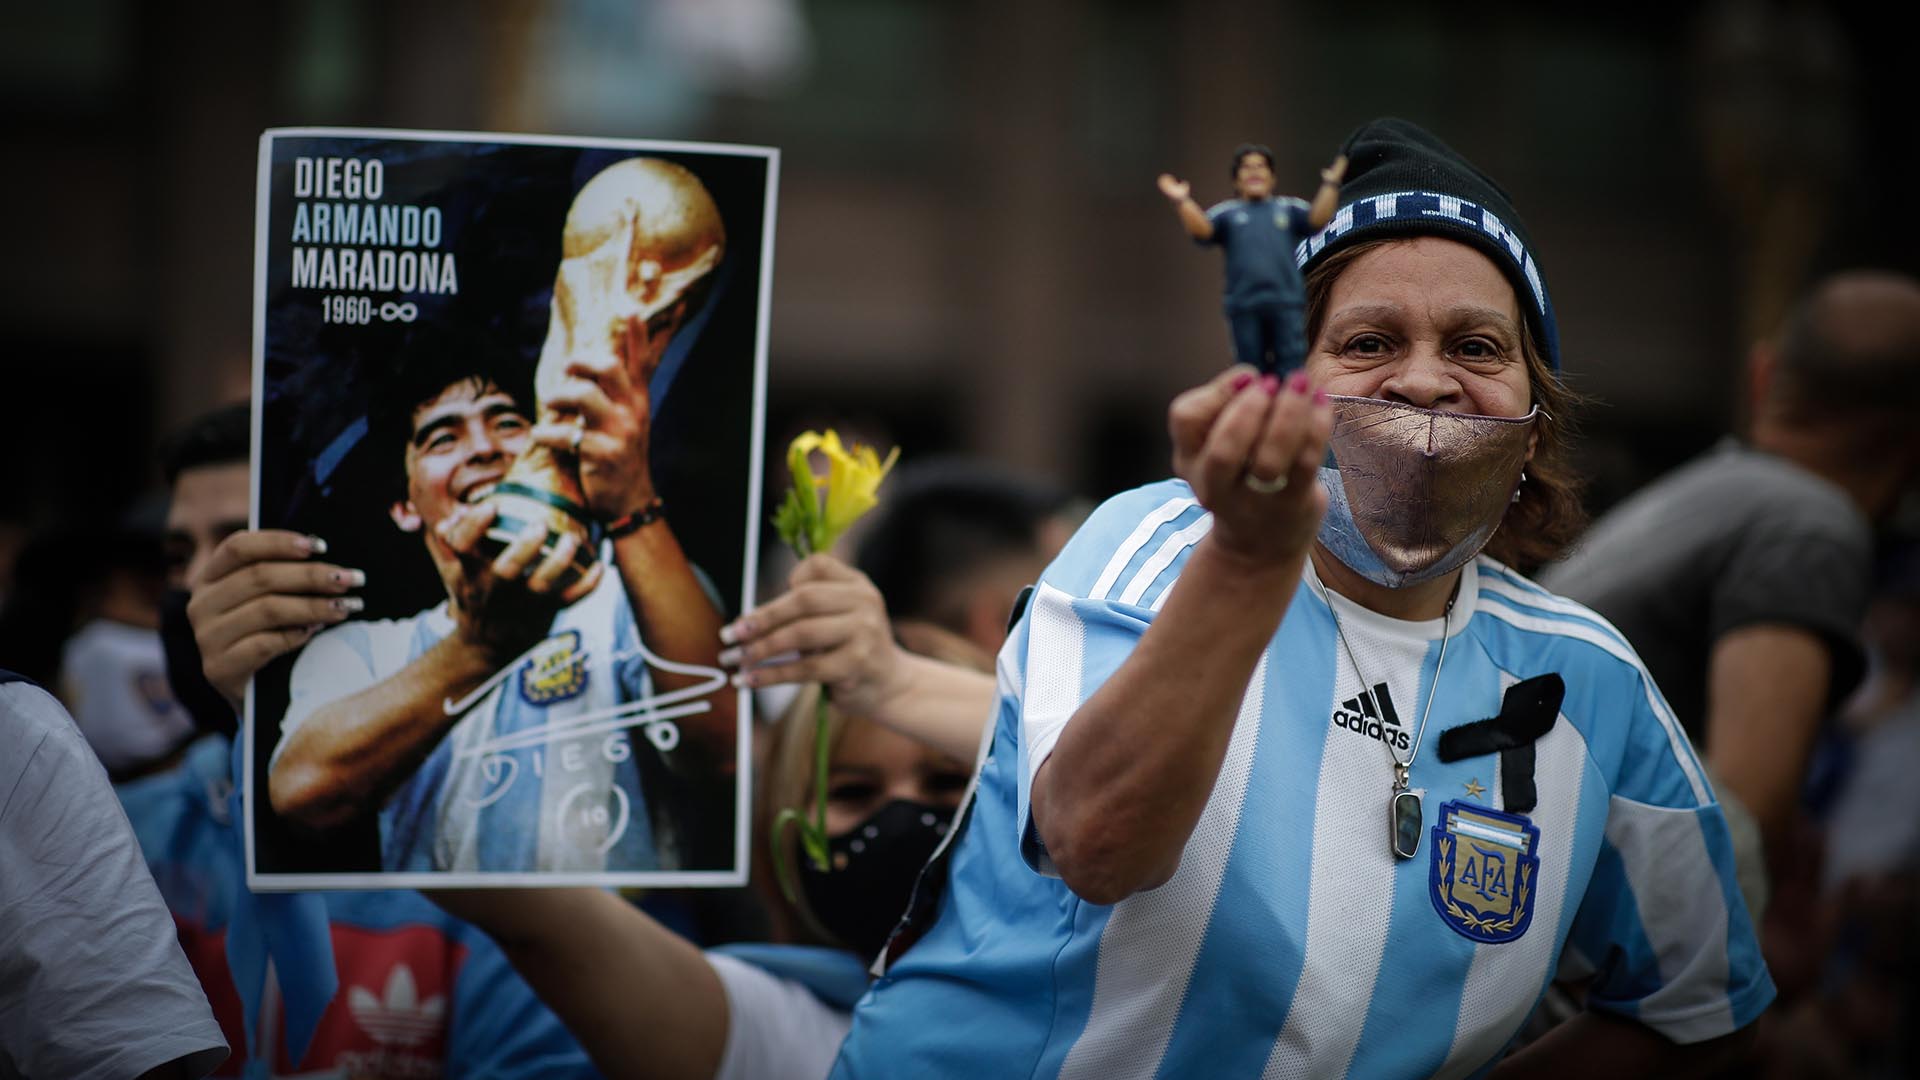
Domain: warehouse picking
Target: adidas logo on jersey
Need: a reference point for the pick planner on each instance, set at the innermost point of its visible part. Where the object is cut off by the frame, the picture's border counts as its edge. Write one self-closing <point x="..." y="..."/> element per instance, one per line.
<point x="1358" y="715"/>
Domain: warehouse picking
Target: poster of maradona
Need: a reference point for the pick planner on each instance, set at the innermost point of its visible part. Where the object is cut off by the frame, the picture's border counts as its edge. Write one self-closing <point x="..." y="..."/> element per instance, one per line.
<point x="514" y="387"/>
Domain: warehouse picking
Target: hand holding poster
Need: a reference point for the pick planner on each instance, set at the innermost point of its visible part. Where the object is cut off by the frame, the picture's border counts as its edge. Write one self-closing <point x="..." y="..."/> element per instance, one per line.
<point x="465" y="349"/>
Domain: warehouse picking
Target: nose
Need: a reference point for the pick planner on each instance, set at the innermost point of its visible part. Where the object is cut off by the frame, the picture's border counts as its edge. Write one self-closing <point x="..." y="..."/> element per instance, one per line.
<point x="1423" y="378"/>
<point x="910" y="788"/>
<point x="481" y="440"/>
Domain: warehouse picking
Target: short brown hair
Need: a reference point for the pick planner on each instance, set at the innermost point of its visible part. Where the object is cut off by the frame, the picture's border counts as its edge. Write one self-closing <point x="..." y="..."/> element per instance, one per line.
<point x="1549" y="514"/>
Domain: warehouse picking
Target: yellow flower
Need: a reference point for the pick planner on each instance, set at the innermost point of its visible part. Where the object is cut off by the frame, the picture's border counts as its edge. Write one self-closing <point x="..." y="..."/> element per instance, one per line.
<point x="809" y="524"/>
<point x="851" y="485"/>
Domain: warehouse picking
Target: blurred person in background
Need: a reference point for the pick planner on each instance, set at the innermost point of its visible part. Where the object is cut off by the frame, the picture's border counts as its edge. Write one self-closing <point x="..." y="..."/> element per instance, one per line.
<point x="1743" y="577"/>
<point x="955" y="541"/>
<point x="421" y="993"/>
<point x="83" y="620"/>
<point x="113" y="670"/>
<point x="1859" y="1018"/>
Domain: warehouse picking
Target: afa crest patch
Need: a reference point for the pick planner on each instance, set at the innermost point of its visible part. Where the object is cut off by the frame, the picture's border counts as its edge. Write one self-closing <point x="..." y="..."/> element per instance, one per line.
<point x="556" y="670"/>
<point x="1483" y="872"/>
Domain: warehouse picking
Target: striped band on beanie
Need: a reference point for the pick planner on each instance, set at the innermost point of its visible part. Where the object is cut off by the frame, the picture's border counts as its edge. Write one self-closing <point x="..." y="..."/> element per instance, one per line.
<point x="1402" y="181"/>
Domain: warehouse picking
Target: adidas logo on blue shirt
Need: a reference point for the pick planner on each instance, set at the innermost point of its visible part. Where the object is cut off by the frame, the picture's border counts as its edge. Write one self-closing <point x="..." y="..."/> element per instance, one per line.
<point x="1357" y="714"/>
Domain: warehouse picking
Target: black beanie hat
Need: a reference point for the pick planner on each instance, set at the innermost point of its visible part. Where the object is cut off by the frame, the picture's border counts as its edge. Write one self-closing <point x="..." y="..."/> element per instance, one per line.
<point x="1402" y="181"/>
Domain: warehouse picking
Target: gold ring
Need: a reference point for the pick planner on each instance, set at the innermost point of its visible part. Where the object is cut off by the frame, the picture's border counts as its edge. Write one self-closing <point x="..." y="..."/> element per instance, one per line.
<point x="1264" y="487"/>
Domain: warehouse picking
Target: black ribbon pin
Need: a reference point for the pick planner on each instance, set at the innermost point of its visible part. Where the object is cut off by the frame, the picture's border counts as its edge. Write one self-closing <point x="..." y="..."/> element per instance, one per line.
<point x="1526" y="713"/>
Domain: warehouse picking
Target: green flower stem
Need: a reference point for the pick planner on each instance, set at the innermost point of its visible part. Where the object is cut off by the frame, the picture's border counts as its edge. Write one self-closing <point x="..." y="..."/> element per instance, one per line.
<point x="816" y="839"/>
<point x="813" y="834"/>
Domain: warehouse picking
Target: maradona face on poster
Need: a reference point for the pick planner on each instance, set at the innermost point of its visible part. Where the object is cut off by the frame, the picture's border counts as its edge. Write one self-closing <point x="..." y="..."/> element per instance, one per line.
<point x="518" y="383"/>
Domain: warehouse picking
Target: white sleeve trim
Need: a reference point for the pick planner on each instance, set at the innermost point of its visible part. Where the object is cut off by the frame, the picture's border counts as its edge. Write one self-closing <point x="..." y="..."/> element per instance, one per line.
<point x="776" y="1028"/>
<point x="1137" y="539"/>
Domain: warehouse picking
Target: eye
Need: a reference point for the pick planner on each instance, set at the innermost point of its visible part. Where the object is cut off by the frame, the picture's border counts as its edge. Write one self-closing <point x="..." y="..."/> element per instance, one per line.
<point x="1367" y="345"/>
<point x="509" y="422"/>
<point x="179" y="552"/>
<point x="852" y="791"/>
<point x="439" y="439"/>
<point x="1478" y="349"/>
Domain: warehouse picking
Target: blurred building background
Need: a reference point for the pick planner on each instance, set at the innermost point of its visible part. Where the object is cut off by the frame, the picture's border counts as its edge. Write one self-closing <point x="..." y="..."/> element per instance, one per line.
<point x="971" y="254"/>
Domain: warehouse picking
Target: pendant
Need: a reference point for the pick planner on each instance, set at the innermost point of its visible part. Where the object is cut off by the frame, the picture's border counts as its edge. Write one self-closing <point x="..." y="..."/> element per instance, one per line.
<point x="1403" y="816"/>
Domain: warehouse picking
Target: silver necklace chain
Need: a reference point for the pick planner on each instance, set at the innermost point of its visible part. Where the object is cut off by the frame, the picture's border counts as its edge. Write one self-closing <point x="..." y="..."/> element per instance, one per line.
<point x="1401" y="767"/>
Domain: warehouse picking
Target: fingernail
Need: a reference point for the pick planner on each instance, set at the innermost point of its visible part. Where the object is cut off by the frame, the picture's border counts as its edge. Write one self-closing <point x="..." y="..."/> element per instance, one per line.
<point x="729" y="634"/>
<point x="348" y="604"/>
<point x="1298" y="383"/>
<point x="1319" y="397"/>
<point x="1241" y="380"/>
<point x="1269" y="385"/>
<point x="730" y="657"/>
<point x="316" y="546"/>
<point x="352" y="579"/>
<point x="743" y="681"/>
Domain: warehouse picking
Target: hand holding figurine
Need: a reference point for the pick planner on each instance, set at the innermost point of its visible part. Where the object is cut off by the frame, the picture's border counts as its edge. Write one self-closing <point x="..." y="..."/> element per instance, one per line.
<point x="1250" y="446"/>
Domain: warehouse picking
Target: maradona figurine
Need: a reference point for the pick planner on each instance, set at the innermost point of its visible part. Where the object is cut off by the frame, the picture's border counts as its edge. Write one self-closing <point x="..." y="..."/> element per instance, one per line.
<point x="1266" y="302"/>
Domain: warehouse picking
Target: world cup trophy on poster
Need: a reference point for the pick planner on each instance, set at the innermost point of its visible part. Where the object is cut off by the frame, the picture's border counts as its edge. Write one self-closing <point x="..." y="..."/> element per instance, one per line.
<point x="639" y="250"/>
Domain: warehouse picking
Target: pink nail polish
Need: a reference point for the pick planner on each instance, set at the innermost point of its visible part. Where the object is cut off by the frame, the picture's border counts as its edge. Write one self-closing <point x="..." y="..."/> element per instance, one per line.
<point x="1270" y="384"/>
<point x="1298" y="383"/>
<point x="1241" y="380"/>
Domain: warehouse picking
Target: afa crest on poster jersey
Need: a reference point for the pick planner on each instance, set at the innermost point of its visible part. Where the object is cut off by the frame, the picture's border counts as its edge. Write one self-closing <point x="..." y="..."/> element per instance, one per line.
<point x="1484" y="871"/>
<point x="556" y="671"/>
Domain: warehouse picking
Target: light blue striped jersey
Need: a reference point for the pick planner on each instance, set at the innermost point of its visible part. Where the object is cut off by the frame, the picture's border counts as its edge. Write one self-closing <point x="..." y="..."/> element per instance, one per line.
<point x="1290" y="942"/>
<point x="500" y="792"/>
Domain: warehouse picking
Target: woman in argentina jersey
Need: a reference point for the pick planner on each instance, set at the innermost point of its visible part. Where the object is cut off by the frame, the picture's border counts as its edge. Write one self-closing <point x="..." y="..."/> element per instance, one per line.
<point x="1286" y="779"/>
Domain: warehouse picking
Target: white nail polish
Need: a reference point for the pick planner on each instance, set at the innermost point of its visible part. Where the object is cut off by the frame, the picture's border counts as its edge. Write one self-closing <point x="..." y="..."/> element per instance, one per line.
<point x="318" y="545"/>
<point x="728" y="636"/>
<point x="730" y="657"/>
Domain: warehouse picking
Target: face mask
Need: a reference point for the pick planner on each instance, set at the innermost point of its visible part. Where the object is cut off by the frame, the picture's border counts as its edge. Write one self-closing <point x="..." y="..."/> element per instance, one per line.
<point x="115" y="679"/>
<point x="1413" y="493"/>
<point x="871" y="871"/>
